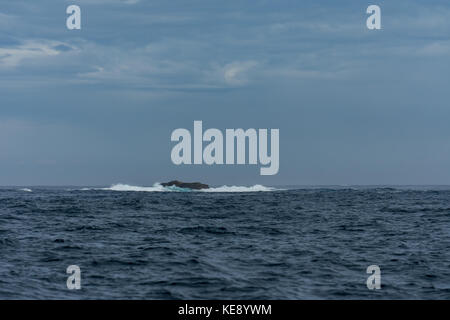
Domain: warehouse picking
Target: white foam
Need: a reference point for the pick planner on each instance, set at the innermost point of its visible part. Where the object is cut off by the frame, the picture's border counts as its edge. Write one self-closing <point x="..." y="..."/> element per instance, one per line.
<point x="255" y="188"/>
<point x="125" y="187"/>
<point x="26" y="190"/>
<point x="157" y="187"/>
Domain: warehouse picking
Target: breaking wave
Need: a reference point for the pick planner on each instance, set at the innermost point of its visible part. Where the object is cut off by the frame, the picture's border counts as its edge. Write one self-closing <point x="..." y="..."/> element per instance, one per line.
<point x="255" y="188"/>
<point x="157" y="187"/>
<point x="26" y="190"/>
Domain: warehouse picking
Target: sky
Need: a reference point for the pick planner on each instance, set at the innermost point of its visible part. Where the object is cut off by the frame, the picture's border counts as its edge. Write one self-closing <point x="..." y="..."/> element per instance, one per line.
<point x="97" y="106"/>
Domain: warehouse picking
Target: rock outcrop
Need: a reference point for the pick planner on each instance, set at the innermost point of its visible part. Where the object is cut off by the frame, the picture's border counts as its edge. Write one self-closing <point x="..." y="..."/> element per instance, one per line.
<point x="186" y="185"/>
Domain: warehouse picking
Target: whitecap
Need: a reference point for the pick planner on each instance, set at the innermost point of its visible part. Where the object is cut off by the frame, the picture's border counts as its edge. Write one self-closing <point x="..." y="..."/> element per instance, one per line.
<point x="157" y="187"/>
<point x="255" y="188"/>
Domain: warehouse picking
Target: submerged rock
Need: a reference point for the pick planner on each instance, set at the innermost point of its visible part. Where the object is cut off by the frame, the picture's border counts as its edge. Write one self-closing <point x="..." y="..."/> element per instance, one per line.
<point x="186" y="185"/>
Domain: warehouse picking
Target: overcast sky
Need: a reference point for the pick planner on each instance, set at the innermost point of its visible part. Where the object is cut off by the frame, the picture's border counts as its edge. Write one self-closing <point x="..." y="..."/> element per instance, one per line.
<point x="97" y="106"/>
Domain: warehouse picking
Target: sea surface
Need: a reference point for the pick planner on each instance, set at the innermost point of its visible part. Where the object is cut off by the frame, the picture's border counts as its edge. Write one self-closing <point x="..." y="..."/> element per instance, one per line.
<point x="230" y="243"/>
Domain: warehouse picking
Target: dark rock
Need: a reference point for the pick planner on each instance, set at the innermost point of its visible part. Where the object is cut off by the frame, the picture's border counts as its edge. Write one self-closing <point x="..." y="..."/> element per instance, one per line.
<point x="187" y="185"/>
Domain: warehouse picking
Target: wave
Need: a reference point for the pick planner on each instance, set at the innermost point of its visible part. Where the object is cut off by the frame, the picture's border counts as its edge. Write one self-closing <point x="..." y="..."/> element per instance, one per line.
<point x="157" y="187"/>
<point x="26" y="190"/>
<point x="255" y="188"/>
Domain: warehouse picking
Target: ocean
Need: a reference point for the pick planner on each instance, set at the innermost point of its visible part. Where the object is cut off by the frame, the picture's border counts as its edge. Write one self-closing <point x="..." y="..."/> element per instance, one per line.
<point x="229" y="243"/>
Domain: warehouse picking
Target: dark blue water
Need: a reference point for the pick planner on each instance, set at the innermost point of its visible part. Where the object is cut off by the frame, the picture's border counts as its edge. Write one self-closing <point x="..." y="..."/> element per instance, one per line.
<point x="293" y="244"/>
